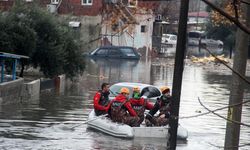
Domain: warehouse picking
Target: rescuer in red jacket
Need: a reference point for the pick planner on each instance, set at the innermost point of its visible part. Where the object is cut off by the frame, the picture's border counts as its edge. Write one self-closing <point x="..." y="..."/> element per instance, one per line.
<point x="121" y="110"/>
<point x="139" y="104"/>
<point x="101" y="100"/>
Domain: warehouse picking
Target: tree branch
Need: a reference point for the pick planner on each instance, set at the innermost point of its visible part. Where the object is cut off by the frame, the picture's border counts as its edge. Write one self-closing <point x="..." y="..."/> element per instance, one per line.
<point x="248" y="3"/>
<point x="225" y="14"/>
<point x="212" y="111"/>
<point x="234" y="71"/>
<point x="233" y="121"/>
<point x="235" y="4"/>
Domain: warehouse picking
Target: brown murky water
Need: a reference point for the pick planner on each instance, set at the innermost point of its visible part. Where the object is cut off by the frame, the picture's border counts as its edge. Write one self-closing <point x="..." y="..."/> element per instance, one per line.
<point x="46" y="124"/>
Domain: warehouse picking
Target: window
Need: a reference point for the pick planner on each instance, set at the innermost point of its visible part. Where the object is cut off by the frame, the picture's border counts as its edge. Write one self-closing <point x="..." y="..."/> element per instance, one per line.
<point x="115" y="90"/>
<point x="143" y="28"/>
<point x="54" y="1"/>
<point x="132" y="3"/>
<point x="114" y="52"/>
<point x="87" y="2"/>
<point x="128" y="51"/>
<point x="174" y="38"/>
<point x="101" y="52"/>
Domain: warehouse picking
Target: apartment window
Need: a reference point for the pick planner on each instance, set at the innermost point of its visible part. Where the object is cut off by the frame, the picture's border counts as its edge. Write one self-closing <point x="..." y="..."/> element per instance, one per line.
<point x="87" y="2"/>
<point x="54" y="1"/>
<point x="132" y="3"/>
<point x="143" y="28"/>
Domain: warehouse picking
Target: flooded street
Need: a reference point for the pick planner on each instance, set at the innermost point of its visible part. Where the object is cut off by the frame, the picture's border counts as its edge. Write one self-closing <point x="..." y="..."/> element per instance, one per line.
<point x="47" y="124"/>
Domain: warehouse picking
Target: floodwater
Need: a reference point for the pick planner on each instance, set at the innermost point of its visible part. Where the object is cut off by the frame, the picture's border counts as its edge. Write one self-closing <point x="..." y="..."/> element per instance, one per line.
<point x="47" y="123"/>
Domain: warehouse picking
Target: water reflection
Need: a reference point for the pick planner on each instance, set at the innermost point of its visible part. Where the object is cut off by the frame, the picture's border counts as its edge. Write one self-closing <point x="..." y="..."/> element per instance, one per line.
<point x="48" y="123"/>
<point x="201" y="52"/>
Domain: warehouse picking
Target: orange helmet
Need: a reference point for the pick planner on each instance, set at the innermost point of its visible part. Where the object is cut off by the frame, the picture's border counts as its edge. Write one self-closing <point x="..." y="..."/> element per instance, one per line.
<point x="136" y="89"/>
<point x="124" y="90"/>
<point x="164" y="89"/>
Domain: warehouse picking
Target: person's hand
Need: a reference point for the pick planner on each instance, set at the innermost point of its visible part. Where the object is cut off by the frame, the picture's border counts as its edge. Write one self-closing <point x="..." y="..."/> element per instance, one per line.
<point x="162" y="116"/>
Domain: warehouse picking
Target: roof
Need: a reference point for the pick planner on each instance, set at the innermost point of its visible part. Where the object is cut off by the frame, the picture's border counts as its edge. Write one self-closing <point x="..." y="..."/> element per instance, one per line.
<point x="9" y="55"/>
<point x="133" y="84"/>
<point x="203" y="14"/>
<point x="116" y="46"/>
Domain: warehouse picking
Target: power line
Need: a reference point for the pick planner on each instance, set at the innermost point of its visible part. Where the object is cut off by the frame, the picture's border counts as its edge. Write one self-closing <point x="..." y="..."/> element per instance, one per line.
<point x="221" y="108"/>
<point x="248" y="3"/>
<point x="221" y="61"/>
<point x="222" y="147"/>
<point x="233" y="121"/>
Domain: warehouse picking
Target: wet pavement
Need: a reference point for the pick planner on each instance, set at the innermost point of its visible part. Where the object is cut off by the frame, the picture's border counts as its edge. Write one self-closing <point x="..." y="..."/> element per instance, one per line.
<point x="47" y="123"/>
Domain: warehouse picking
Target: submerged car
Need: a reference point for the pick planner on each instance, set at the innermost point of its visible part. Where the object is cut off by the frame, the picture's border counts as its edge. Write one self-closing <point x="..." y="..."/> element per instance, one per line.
<point x="122" y="52"/>
<point x="146" y="91"/>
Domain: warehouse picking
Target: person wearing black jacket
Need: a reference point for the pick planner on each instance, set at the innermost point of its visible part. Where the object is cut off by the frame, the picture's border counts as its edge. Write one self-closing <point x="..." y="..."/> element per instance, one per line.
<point x="163" y="106"/>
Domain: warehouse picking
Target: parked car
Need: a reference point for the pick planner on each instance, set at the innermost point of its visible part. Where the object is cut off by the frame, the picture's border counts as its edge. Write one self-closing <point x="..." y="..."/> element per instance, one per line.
<point x="169" y="39"/>
<point x="147" y="91"/>
<point x="212" y="43"/>
<point x="198" y="37"/>
<point x="124" y="52"/>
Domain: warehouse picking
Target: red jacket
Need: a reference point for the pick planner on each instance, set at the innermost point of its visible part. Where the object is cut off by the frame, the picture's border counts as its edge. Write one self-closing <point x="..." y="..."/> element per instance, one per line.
<point x="124" y="103"/>
<point x="141" y="102"/>
<point x="98" y="100"/>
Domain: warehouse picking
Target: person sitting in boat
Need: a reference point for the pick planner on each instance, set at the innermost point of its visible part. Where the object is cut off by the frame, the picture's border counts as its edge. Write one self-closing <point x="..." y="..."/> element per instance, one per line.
<point x="163" y="105"/>
<point x="139" y="104"/>
<point x="101" y="100"/>
<point x="121" y="110"/>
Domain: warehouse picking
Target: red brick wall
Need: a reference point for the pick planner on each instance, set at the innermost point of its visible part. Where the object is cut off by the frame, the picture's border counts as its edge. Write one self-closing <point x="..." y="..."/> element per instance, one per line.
<point x="6" y="5"/>
<point x="76" y="8"/>
<point x="148" y="5"/>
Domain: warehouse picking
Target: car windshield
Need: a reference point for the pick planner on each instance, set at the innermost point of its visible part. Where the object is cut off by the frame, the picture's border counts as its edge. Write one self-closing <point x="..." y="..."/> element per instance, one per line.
<point x="149" y="91"/>
<point x="115" y="90"/>
<point x="128" y="51"/>
<point x="173" y="38"/>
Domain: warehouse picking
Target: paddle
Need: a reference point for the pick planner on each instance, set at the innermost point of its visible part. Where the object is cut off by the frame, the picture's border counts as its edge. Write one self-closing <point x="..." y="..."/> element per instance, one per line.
<point x="71" y="128"/>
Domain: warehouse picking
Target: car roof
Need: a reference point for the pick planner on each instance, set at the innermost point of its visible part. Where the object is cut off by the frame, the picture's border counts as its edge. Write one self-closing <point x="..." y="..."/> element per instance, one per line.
<point x="169" y="35"/>
<point x="116" y="47"/>
<point x="133" y="84"/>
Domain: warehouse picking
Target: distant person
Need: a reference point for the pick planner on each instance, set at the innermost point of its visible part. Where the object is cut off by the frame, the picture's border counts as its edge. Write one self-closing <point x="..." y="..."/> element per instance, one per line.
<point x="163" y="106"/>
<point x="139" y="104"/>
<point x="101" y="100"/>
<point x="121" y="110"/>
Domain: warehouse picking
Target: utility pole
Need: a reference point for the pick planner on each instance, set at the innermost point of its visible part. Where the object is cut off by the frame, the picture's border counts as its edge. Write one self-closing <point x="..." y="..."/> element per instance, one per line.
<point x="178" y="70"/>
<point x="237" y="88"/>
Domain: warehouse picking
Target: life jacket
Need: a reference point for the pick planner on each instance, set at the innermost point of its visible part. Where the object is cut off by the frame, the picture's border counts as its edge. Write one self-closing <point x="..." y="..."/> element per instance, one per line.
<point x="104" y="99"/>
<point x="101" y="101"/>
<point x="121" y="107"/>
<point x="137" y="104"/>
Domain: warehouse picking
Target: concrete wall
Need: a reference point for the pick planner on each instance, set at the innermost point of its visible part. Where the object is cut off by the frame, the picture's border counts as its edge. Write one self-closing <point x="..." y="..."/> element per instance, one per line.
<point x="10" y="91"/>
<point x="31" y="91"/>
<point x="15" y="92"/>
<point x="132" y="35"/>
<point x="62" y="84"/>
<point x="88" y="32"/>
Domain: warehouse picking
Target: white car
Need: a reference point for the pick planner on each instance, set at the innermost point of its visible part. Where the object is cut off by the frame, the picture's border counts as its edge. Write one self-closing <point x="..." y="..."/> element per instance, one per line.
<point x="198" y="37"/>
<point x="169" y="39"/>
<point x="212" y="43"/>
<point x="147" y="91"/>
